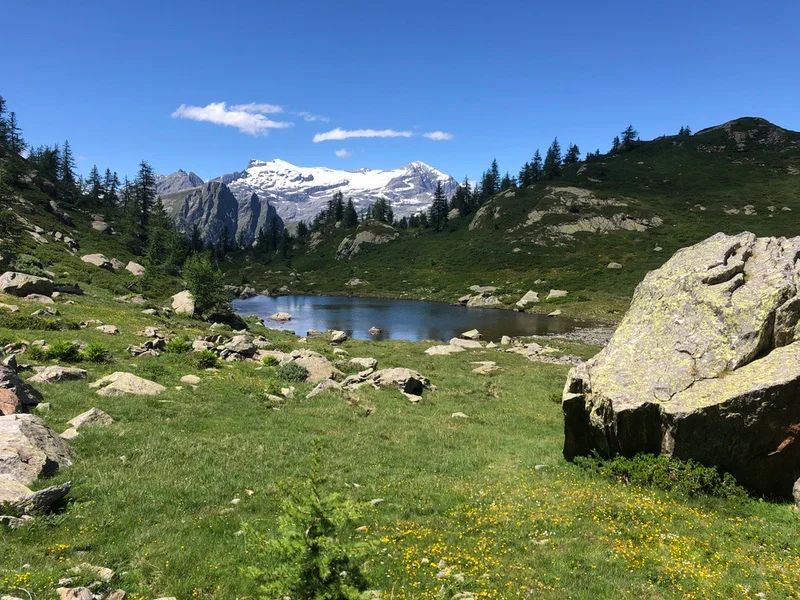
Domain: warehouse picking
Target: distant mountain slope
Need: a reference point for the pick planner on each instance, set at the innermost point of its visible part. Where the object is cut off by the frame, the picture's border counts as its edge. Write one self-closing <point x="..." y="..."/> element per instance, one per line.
<point x="177" y="181"/>
<point x="302" y="192"/>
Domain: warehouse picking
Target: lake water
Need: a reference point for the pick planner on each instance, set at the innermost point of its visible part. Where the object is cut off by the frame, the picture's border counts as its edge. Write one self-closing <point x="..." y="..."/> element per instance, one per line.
<point x="399" y="319"/>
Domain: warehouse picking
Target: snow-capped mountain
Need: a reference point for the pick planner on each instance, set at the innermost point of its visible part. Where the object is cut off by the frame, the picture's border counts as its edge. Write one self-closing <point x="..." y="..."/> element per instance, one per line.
<point x="302" y="192"/>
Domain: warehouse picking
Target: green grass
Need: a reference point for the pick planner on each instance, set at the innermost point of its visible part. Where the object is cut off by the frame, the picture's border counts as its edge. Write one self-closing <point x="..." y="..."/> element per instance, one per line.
<point x="152" y="493"/>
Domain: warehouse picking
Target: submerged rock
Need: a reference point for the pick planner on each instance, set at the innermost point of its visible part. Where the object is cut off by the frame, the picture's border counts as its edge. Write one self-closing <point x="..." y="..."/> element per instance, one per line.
<point x="705" y="366"/>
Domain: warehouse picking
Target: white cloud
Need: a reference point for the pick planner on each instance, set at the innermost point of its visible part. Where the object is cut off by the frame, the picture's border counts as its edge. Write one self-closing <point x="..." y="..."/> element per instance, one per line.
<point x="244" y="117"/>
<point x="343" y="153"/>
<point x="439" y="136"/>
<point x="255" y="107"/>
<point x="307" y="116"/>
<point x="344" y="134"/>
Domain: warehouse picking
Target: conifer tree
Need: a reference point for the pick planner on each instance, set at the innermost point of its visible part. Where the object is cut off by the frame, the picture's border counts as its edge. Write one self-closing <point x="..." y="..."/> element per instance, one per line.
<point x="350" y="214"/>
<point x="615" y="144"/>
<point x="110" y="187"/>
<point x="145" y="191"/>
<point x="629" y="135"/>
<point x="95" y="185"/>
<point x="552" y="160"/>
<point x="67" y="168"/>
<point x="537" y="166"/>
<point x="438" y="209"/>
<point x="14" y="134"/>
<point x="573" y="155"/>
<point x="302" y="230"/>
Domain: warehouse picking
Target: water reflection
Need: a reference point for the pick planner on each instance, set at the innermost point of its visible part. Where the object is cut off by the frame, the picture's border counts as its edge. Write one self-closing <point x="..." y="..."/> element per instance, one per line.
<point x="399" y="319"/>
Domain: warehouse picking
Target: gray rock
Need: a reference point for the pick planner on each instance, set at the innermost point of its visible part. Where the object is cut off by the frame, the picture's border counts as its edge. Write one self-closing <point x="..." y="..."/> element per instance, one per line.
<point x="325" y="384"/>
<point x="134" y="268"/>
<point x="120" y="383"/>
<point x="319" y="368"/>
<point x="190" y="379"/>
<point x="29" y="449"/>
<point x="557" y="294"/>
<point x="472" y="334"/>
<point x="183" y="303"/>
<point x="108" y="329"/>
<point x="372" y="233"/>
<point x="11" y="382"/>
<point x="22" y="284"/>
<point x="530" y="297"/>
<point x="98" y="260"/>
<point x="40" y="298"/>
<point x="281" y="317"/>
<point x="93" y="416"/>
<point x="56" y="373"/>
<point x="42" y="500"/>
<point x="471" y="344"/>
<point x="614" y="265"/>
<point x="338" y="337"/>
<point x="407" y="380"/>
<point x="705" y="365"/>
<point x="364" y="363"/>
<point x="443" y="349"/>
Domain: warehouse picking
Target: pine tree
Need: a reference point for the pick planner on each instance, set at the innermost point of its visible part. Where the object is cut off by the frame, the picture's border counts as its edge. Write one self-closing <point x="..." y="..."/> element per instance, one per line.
<point x="14" y="134"/>
<point x="413" y="221"/>
<point x="615" y="144"/>
<point x="95" y="185"/>
<point x="66" y="173"/>
<point x="350" y="214"/>
<point x="507" y="182"/>
<point x="629" y="136"/>
<point x="3" y="122"/>
<point x="302" y="230"/>
<point x="573" y="155"/>
<point x="145" y="191"/>
<point x="286" y="243"/>
<point x="552" y="160"/>
<point x="110" y="186"/>
<point x="438" y="209"/>
<point x="339" y="207"/>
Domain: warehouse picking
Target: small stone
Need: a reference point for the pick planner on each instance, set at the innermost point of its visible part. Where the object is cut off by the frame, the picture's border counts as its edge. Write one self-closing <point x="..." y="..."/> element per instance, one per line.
<point x="472" y="334"/>
<point x="556" y="294"/>
<point x="505" y="341"/>
<point x="190" y="379"/>
<point x="108" y="329"/>
<point x="459" y="415"/>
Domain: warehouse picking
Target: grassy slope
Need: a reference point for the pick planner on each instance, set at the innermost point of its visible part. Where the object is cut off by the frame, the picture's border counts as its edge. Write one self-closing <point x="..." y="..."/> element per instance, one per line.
<point x="466" y="491"/>
<point x="665" y="177"/>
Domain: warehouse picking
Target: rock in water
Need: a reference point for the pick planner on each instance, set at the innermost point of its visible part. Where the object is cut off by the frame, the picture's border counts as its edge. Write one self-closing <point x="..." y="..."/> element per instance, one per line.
<point x="705" y="366"/>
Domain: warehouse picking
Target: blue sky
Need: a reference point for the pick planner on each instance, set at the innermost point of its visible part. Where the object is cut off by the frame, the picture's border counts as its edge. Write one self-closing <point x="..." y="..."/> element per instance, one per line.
<point x="499" y="78"/>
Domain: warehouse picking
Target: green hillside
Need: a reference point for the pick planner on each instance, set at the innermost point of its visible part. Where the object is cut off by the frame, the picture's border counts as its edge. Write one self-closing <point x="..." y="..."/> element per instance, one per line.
<point x="744" y="175"/>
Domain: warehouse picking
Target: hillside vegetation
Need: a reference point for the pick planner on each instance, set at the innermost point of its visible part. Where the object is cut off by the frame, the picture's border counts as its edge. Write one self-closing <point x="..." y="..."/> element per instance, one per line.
<point x="463" y="493"/>
<point x="639" y="206"/>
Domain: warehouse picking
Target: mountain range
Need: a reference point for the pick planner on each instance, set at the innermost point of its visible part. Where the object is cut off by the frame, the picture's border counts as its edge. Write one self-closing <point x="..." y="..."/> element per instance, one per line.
<point x="244" y="201"/>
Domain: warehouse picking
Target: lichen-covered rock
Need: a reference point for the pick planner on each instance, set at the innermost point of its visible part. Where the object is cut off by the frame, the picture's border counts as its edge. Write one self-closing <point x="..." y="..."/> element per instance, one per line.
<point x="30" y="449"/>
<point x="120" y="383"/>
<point x="22" y="284"/>
<point x="705" y="366"/>
<point x="319" y="368"/>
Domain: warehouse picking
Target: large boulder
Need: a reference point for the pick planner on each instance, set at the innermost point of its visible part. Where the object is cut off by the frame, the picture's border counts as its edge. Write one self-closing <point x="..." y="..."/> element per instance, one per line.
<point x="319" y="368"/>
<point x="12" y="385"/>
<point x="56" y="373"/>
<point x="705" y="366"/>
<point x="120" y="383"/>
<point x="134" y="268"/>
<point x="183" y="303"/>
<point x="30" y="449"/>
<point x="22" y="284"/>
<point x="371" y="232"/>
<point x="98" y="260"/>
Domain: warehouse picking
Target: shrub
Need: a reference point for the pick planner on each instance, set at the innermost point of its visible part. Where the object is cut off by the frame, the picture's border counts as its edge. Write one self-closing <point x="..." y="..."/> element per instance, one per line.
<point x="205" y="284"/>
<point x="318" y="553"/>
<point x="17" y="321"/>
<point x="64" y="351"/>
<point x="672" y="475"/>
<point x="205" y="359"/>
<point x="25" y="263"/>
<point x="96" y="353"/>
<point x="36" y="353"/>
<point x="270" y="361"/>
<point x="178" y="345"/>
<point x="273" y="386"/>
<point x="292" y="372"/>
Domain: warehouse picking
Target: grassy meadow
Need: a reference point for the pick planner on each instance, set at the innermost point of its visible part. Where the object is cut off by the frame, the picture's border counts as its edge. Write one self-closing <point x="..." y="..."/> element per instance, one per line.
<point x="487" y="503"/>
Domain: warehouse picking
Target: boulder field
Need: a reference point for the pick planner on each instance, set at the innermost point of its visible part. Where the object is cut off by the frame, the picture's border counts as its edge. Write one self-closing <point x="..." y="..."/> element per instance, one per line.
<point x="705" y="366"/>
